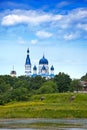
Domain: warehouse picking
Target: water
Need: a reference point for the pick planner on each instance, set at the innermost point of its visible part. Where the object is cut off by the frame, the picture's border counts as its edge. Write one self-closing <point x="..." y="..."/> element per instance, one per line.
<point x="11" y="124"/>
<point x="47" y="129"/>
<point x="18" y="129"/>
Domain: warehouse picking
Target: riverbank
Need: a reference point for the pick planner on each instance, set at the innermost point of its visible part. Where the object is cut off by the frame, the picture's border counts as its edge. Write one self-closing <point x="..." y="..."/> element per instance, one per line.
<point x="43" y="123"/>
<point x="64" y="105"/>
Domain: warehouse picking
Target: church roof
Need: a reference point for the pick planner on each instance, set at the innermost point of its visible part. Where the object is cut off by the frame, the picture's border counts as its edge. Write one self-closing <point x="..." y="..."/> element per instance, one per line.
<point x="43" y="68"/>
<point x="28" y="62"/>
<point x="52" y="68"/>
<point x="43" y="60"/>
<point x="34" y="68"/>
<point x="13" y="72"/>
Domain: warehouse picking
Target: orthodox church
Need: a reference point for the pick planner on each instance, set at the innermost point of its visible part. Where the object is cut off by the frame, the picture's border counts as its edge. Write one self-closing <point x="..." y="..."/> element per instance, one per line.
<point x="13" y="73"/>
<point x="43" y="68"/>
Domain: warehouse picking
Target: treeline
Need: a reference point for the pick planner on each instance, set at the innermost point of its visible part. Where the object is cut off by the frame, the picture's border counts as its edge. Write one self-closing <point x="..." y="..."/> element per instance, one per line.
<point x="22" y="88"/>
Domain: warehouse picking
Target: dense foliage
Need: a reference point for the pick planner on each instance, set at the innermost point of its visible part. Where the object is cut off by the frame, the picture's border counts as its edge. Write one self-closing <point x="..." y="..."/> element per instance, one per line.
<point x="63" y="82"/>
<point x="84" y="77"/>
<point x="23" y="87"/>
<point x="75" y="85"/>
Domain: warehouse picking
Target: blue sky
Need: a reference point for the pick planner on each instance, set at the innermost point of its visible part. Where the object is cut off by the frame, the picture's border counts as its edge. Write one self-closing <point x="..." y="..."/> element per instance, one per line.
<point x="53" y="27"/>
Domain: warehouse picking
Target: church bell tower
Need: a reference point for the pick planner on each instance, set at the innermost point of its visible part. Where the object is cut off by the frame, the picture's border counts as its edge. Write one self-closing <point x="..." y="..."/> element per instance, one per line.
<point x="28" y="64"/>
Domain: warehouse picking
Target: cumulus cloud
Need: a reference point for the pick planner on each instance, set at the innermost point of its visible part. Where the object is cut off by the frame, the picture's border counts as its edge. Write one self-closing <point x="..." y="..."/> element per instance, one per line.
<point x="28" y="17"/>
<point x="82" y="26"/>
<point x="78" y="14"/>
<point x="71" y="36"/>
<point x="73" y="18"/>
<point x="68" y="23"/>
<point x="37" y="17"/>
<point x="43" y="34"/>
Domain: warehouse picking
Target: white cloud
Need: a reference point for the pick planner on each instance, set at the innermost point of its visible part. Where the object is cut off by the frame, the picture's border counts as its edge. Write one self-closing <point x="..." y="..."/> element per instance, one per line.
<point x="82" y="26"/>
<point x="28" y="17"/>
<point x="51" y="22"/>
<point x="68" y="37"/>
<point x="71" y="36"/>
<point x="62" y="4"/>
<point x="77" y="15"/>
<point x="35" y="41"/>
<point x="73" y="17"/>
<point x="37" y="17"/>
<point x="43" y="34"/>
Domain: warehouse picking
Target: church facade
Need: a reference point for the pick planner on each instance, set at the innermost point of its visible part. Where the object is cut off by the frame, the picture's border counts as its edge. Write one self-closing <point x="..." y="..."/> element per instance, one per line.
<point x="43" y="68"/>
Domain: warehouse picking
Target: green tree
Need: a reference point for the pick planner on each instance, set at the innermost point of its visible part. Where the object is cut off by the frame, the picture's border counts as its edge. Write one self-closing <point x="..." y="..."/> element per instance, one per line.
<point x="84" y="77"/>
<point x="8" y="80"/>
<point x="4" y="87"/>
<point x="36" y="82"/>
<point x="48" y="87"/>
<point x="63" y="82"/>
<point x="75" y="85"/>
<point x="19" y="94"/>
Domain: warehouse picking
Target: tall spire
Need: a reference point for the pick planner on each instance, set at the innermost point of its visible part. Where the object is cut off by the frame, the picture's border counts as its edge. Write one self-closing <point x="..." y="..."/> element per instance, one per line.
<point x="13" y="67"/>
<point x="28" y="51"/>
<point x="28" y="64"/>
<point x="28" y="61"/>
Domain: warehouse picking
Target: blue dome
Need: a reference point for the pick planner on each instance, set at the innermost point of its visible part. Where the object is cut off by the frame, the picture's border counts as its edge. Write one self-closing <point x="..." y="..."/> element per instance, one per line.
<point x="52" y="68"/>
<point x="35" y="68"/>
<point x="43" y="61"/>
<point x="43" y="68"/>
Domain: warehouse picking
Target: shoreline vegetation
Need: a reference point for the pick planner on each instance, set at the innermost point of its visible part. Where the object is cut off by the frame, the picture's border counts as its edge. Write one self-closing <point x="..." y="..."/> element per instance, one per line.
<point x="59" y="105"/>
<point x="40" y="125"/>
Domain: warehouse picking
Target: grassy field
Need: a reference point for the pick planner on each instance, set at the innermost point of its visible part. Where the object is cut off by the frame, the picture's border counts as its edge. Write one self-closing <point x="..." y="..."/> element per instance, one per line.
<point x="53" y="106"/>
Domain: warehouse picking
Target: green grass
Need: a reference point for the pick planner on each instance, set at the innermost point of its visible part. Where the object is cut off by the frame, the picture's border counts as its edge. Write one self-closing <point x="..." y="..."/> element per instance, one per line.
<point x="53" y="106"/>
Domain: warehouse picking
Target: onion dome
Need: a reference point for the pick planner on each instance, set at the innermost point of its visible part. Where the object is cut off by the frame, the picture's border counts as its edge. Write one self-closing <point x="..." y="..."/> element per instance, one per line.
<point x="35" y="68"/>
<point x="43" y="61"/>
<point x="52" y="68"/>
<point x="28" y="62"/>
<point x="43" y="68"/>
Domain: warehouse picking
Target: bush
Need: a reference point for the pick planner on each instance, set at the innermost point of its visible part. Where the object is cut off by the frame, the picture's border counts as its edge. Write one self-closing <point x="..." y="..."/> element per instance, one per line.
<point x="48" y="87"/>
